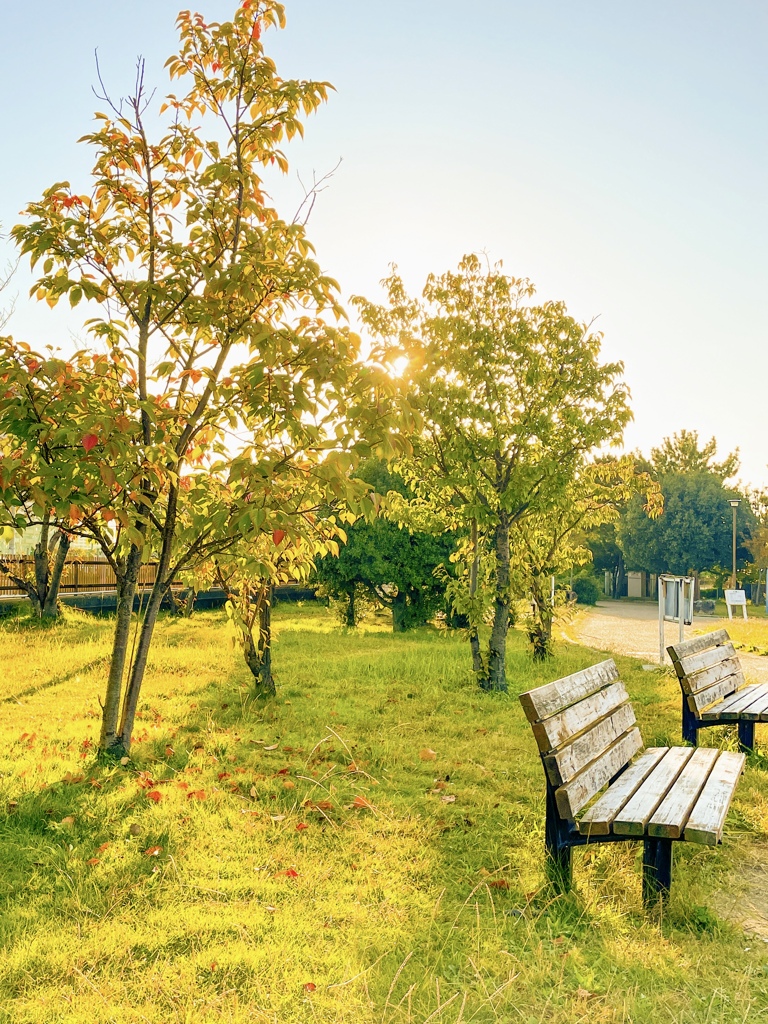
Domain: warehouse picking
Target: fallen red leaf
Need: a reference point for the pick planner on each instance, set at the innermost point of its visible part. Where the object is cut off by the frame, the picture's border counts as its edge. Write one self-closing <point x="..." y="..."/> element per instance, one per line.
<point x="93" y="861"/>
<point x="301" y="826"/>
<point x="359" y="802"/>
<point x="153" y="851"/>
<point x="290" y="873"/>
<point x="155" y="795"/>
<point x="196" y="794"/>
<point x="499" y="883"/>
<point x="102" y="848"/>
<point x="309" y="986"/>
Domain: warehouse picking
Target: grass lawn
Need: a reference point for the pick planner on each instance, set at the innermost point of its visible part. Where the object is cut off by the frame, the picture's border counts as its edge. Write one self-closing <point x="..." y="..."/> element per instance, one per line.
<point x="366" y="848"/>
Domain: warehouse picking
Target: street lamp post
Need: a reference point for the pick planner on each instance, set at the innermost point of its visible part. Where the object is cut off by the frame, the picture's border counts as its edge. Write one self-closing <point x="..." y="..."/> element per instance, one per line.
<point x="734" y="503"/>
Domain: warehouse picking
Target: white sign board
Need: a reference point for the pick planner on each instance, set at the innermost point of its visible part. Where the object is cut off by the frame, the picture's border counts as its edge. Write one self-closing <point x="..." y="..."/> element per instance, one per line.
<point x="736" y="599"/>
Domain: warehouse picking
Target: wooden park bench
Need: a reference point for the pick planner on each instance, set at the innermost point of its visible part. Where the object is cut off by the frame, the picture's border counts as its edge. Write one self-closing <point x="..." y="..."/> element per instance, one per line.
<point x="587" y="735"/>
<point x="715" y="691"/>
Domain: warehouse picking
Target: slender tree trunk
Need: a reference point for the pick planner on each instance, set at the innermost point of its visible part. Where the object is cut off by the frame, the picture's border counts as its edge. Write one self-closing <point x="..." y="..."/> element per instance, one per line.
<point x="351" y="611"/>
<point x="110" y="740"/>
<point x="42" y="569"/>
<point x="474" y="636"/>
<point x="398" y="613"/>
<point x="156" y="595"/>
<point x="497" y="646"/>
<point x="540" y="630"/>
<point x="265" y="684"/>
<point x="51" y="604"/>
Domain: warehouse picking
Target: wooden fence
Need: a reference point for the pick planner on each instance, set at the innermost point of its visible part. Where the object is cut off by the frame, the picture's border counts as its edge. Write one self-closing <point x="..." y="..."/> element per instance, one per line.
<point x="80" y="576"/>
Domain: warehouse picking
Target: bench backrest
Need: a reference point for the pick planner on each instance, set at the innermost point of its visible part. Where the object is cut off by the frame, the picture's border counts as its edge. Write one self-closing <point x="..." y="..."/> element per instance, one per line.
<point x="708" y="669"/>
<point x="585" y="729"/>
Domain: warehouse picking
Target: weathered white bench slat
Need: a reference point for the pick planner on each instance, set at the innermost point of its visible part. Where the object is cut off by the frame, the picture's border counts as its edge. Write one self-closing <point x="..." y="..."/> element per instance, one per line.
<point x="700" y="643"/>
<point x="706" y="659"/>
<point x="555" y="732"/>
<point x="567" y="762"/>
<point x="702" y="699"/>
<point x="597" y="819"/>
<point x="636" y="813"/>
<point x="705" y="824"/>
<point x="548" y="700"/>
<point x="732" y="707"/>
<point x="580" y="790"/>
<point x="720" y="672"/>
<point x="670" y="816"/>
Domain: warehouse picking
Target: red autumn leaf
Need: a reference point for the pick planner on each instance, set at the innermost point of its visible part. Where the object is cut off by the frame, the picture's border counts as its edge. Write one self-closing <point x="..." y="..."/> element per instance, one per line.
<point x="102" y="848"/>
<point x="196" y="794"/>
<point x="183" y="785"/>
<point x="301" y="826"/>
<point x="277" y="536"/>
<point x="256" y="33"/>
<point x="290" y="873"/>
<point x="90" y="441"/>
<point x="223" y="775"/>
<point x="93" y="861"/>
<point x="155" y="795"/>
<point x="215" y="67"/>
<point x="169" y="751"/>
<point x="309" y="986"/>
<point x="360" y="802"/>
<point x="153" y="851"/>
<point x="283" y="771"/>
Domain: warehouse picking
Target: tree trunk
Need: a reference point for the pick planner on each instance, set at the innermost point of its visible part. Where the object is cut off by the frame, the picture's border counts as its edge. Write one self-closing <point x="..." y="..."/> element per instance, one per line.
<point x="497" y="646"/>
<point x="110" y="740"/>
<point x="51" y="604"/>
<point x="156" y="595"/>
<point x="40" y="556"/>
<point x="398" y="613"/>
<point x="351" y="611"/>
<point x="474" y="636"/>
<point x="540" y="629"/>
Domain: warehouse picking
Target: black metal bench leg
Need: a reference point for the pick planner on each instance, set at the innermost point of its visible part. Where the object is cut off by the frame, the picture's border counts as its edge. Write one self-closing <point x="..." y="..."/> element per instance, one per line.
<point x="559" y="865"/>
<point x="690" y="732"/>
<point x="657" y="870"/>
<point x="747" y="737"/>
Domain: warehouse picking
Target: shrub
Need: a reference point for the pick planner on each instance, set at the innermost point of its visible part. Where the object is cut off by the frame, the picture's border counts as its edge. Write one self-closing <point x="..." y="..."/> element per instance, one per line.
<point x="586" y="589"/>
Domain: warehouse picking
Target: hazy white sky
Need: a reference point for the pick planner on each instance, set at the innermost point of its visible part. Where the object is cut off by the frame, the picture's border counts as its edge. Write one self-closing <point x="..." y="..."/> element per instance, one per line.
<point x="616" y="154"/>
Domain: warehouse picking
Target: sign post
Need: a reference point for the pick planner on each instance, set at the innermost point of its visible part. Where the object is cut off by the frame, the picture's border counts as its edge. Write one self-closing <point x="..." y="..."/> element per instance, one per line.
<point x="675" y="605"/>
<point x="735" y="599"/>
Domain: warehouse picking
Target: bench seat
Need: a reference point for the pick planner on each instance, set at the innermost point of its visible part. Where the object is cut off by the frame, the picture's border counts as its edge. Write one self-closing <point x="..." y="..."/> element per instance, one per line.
<point x="601" y="786"/>
<point x="714" y="689"/>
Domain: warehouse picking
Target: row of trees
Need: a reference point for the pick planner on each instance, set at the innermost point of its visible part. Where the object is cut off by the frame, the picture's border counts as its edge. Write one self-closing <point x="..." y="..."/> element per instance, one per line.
<point x="694" y="535"/>
<point x="216" y="418"/>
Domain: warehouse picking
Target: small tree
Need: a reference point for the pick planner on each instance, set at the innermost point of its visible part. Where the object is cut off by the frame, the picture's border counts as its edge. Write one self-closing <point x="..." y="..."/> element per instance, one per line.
<point x="215" y="329"/>
<point x="513" y="398"/>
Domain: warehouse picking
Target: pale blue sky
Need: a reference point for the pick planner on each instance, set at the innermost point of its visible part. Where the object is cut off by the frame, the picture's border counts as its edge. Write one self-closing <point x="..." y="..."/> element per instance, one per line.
<point x="615" y="153"/>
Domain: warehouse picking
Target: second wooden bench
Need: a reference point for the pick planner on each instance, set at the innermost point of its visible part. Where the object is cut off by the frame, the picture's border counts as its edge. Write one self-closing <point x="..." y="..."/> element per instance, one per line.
<point x="587" y="735"/>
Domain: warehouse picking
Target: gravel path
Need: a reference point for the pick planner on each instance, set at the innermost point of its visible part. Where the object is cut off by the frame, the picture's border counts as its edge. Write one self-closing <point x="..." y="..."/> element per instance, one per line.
<point x="632" y="628"/>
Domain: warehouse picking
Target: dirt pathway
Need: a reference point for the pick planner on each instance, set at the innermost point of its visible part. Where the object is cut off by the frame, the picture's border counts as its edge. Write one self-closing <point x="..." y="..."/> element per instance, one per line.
<point x="632" y="628"/>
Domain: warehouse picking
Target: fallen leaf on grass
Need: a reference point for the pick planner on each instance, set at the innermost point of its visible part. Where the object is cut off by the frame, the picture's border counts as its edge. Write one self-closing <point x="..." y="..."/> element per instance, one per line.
<point x="223" y="775"/>
<point x="95" y="783"/>
<point x="153" y="851"/>
<point x="499" y="883"/>
<point x="448" y="798"/>
<point x="154" y="795"/>
<point x="360" y="803"/>
<point x="93" y="861"/>
<point x="183" y="785"/>
<point x="324" y="805"/>
<point x="196" y="794"/>
<point x="289" y="785"/>
<point x="427" y="755"/>
<point x="72" y="779"/>
<point x="12" y="805"/>
<point x="583" y="993"/>
<point x="309" y="986"/>
<point x="272" y="746"/>
<point x="169" y="751"/>
<point x="277" y="817"/>
<point x="301" y="826"/>
<point x="102" y="848"/>
<point x="69" y="820"/>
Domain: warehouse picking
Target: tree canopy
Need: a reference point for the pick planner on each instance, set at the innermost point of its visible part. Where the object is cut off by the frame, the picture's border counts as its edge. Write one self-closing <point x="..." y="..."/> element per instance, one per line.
<point x="513" y="397"/>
